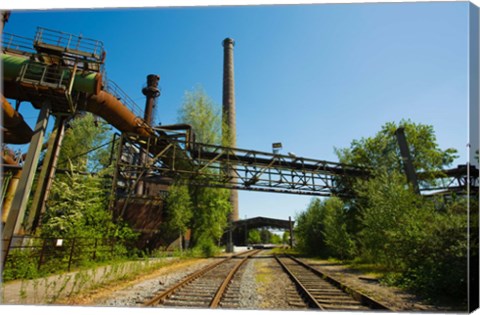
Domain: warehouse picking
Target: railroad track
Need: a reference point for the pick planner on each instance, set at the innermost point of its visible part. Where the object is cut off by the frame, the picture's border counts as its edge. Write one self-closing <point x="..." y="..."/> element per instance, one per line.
<point x="322" y="292"/>
<point x="208" y="287"/>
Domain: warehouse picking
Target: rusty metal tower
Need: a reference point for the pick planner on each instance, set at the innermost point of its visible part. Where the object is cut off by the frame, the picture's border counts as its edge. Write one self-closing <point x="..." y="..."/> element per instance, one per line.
<point x="229" y="134"/>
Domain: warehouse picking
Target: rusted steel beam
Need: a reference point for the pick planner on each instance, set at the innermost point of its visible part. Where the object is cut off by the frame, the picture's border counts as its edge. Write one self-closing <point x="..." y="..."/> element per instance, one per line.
<point x="407" y="159"/>
<point x="19" y="203"/>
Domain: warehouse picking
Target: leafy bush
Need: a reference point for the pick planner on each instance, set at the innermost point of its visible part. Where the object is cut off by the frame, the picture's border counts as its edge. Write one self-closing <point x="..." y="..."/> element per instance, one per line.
<point x="309" y="229"/>
<point x="20" y="265"/>
<point x="338" y="240"/>
<point x="205" y="247"/>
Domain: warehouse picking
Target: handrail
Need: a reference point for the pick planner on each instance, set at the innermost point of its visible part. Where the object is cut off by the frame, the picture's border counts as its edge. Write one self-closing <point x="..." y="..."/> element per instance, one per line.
<point x="12" y="42"/>
<point x="70" y="43"/>
<point x="112" y="88"/>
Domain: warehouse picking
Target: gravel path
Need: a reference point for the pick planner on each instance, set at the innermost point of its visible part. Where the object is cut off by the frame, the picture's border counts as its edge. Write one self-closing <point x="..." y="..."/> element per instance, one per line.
<point x="261" y="282"/>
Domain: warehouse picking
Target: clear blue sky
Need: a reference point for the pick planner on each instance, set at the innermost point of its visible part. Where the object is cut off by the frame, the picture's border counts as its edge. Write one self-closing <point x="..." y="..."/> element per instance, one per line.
<point x="313" y="77"/>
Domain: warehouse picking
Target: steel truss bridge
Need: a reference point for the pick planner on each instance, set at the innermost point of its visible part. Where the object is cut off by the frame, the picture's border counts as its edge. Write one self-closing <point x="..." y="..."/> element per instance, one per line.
<point x="174" y="155"/>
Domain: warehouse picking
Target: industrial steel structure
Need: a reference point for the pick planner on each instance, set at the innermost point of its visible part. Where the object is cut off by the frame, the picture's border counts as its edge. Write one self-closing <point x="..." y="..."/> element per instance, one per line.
<point x="62" y="74"/>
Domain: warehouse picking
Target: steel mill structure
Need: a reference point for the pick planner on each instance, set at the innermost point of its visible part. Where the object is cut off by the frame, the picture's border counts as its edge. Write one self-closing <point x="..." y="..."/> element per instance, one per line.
<point x="62" y="75"/>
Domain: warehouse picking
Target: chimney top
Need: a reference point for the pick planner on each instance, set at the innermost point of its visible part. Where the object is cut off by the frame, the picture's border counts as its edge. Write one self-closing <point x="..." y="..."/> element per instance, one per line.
<point x="228" y="41"/>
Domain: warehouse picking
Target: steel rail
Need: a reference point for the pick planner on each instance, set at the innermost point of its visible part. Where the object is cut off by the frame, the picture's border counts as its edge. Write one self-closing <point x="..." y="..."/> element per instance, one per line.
<point x="360" y="297"/>
<point x="312" y="302"/>
<point x="223" y="287"/>
<point x="164" y="295"/>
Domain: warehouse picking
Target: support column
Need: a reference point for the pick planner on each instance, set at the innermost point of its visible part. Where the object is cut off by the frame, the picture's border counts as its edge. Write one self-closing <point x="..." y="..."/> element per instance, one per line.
<point x="407" y="159"/>
<point x="19" y="203"/>
<point x="10" y="193"/>
<point x="47" y="174"/>
<point x="291" y="231"/>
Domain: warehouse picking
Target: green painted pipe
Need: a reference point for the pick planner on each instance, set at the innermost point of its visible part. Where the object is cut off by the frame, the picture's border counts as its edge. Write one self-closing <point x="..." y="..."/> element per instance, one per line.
<point x="12" y="66"/>
<point x="84" y="82"/>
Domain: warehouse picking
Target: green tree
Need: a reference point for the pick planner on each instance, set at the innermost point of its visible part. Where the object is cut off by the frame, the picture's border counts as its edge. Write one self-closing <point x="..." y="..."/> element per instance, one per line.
<point x="254" y="237"/>
<point x="309" y="229"/>
<point x="85" y="133"/>
<point x="178" y="209"/>
<point x="393" y="220"/>
<point x="210" y="206"/>
<point x="420" y="241"/>
<point x="275" y="239"/>
<point x="78" y="204"/>
<point x="203" y="115"/>
<point x="286" y="237"/>
<point x="337" y="239"/>
<point x="211" y="209"/>
<point x="382" y="151"/>
<point x="381" y="155"/>
<point x="78" y="208"/>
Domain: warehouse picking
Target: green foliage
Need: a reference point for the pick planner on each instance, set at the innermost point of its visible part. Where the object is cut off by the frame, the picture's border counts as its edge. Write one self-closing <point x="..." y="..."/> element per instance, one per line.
<point x="78" y="204"/>
<point x="254" y="237"/>
<point x="420" y="243"/>
<point x="431" y="252"/>
<point x="210" y="206"/>
<point x="310" y="227"/>
<point x="321" y="229"/>
<point x="203" y="115"/>
<point x="275" y="238"/>
<point x="205" y="247"/>
<point x="392" y="218"/>
<point x="76" y="208"/>
<point x="383" y="152"/>
<point x="211" y="209"/>
<point x="286" y="237"/>
<point x="85" y="133"/>
<point x="337" y="239"/>
<point x="178" y="209"/>
<point x="19" y="265"/>
<point x="263" y="236"/>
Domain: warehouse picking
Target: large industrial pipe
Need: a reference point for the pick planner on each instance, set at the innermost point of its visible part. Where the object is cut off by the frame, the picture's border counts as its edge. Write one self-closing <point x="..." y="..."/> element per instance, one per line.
<point x="15" y="129"/>
<point x="228" y="115"/>
<point x="116" y="113"/>
<point x="84" y="82"/>
<point x="102" y="104"/>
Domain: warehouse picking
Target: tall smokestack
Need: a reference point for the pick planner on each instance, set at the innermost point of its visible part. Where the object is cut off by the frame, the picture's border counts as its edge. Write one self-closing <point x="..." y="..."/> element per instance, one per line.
<point x="151" y="93"/>
<point x="228" y="114"/>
